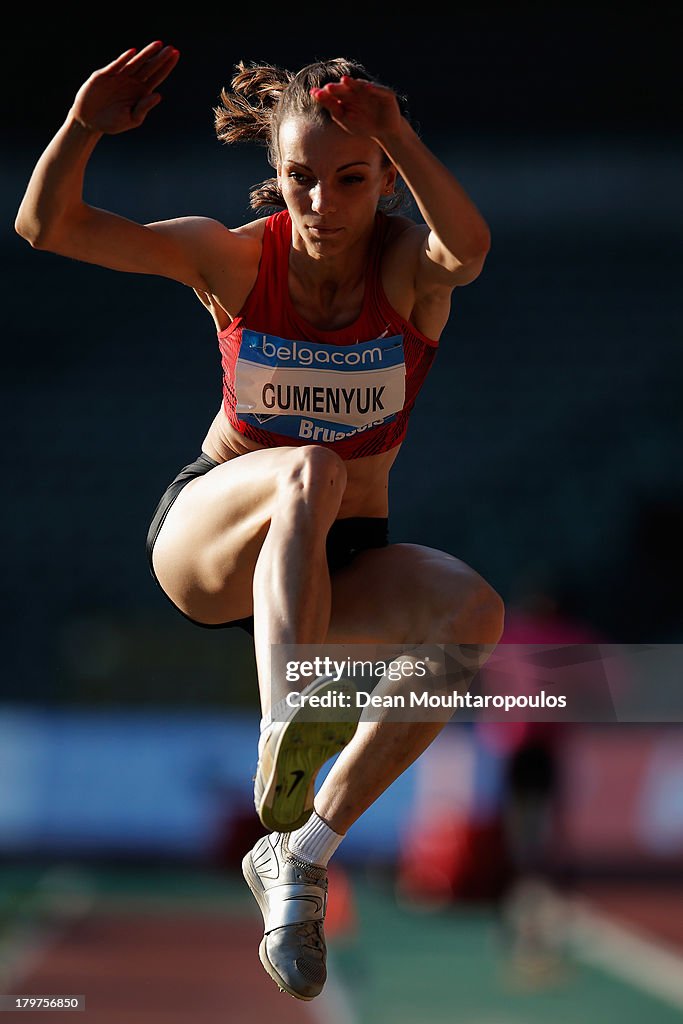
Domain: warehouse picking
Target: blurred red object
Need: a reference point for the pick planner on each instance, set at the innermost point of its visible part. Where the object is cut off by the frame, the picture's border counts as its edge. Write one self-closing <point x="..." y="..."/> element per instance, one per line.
<point x="453" y="858"/>
<point x="341" y="920"/>
<point x="453" y="849"/>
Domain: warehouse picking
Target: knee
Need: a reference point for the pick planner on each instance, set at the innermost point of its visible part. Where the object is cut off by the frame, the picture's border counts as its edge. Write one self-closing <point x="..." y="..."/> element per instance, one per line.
<point x="314" y="476"/>
<point x="477" y="616"/>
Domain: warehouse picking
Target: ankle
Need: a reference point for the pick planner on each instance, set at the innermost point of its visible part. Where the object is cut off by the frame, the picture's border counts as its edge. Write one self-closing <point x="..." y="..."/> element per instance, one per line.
<point x="314" y="842"/>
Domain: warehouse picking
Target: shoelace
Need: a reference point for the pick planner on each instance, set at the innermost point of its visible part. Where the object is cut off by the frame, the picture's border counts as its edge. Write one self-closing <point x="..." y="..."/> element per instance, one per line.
<point x="310" y="936"/>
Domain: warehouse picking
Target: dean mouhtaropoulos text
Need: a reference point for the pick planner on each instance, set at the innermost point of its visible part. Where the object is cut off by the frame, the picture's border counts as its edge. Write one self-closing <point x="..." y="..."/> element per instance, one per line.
<point x="425" y="699"/>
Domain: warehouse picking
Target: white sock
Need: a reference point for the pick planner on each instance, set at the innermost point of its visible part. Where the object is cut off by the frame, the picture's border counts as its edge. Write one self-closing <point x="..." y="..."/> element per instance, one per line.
<point x="314" y="842"/>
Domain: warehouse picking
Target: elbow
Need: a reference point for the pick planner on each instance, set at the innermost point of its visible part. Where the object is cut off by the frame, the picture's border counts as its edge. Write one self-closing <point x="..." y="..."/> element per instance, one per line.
<point x="475" y="262"/>
<point x="28" y="230"/>
<point x="475" y="254"/>
<point x="482" y="246"/>
<point x="37" y="225"/>
<point x="468" y="270"/>
<point x="21" y="229"/>
<point x="33" y="233"/>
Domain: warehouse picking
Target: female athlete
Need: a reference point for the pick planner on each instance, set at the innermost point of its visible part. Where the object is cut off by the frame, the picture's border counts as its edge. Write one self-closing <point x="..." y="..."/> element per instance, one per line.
<point x="328" y="314"/>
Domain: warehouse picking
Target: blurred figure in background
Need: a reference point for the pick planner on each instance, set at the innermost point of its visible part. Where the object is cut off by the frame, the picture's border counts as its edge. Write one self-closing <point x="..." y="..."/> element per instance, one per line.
<point x="492" y="833"/>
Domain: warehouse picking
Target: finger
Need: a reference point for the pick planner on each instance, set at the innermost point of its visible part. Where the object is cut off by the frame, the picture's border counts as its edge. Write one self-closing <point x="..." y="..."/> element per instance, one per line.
<point x="331" y="104"/>
<point x="153" y="65"/>
<point x="119" y="62"/>
<point x="335" y="87"/>
<point x="325" y="96"/>
<point x="163" y="70"/>
<point x="357" y="84"/>
<point x="143" y="55"/>
<point x="321" y="97"/>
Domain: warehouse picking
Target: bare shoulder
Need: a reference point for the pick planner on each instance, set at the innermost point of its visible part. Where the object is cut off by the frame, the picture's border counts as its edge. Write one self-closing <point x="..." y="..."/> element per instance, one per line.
<point x="227" y="258"/>
<point x="209" y="237"/>
<point x="411" y="243"/>
<point x="404" y="234"/>
<point x="231" y="262"/>
<point x="400" y="251"/>
<point x="252" y="229"/>
<point x="403" y="243"/>
<point x="428" y="309"/>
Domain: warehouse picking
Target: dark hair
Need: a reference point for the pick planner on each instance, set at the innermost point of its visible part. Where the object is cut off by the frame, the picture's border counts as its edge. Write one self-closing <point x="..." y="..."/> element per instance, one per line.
<point x="262" y="96"/>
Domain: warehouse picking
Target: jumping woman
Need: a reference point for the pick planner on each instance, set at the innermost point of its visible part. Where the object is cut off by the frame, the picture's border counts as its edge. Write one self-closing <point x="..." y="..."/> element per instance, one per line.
<point x="328" y="314"/>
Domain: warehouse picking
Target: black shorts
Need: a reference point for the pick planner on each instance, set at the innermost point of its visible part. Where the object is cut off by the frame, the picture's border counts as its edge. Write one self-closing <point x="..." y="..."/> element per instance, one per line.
<point x="346" y="538"/>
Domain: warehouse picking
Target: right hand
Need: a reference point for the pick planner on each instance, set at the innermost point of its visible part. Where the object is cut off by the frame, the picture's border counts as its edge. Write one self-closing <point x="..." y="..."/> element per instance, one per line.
<point x="119" y="96"/>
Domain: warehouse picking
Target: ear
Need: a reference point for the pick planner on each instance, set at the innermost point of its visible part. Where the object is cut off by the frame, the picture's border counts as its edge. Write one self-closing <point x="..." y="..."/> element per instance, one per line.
<point x="390" y="176"/>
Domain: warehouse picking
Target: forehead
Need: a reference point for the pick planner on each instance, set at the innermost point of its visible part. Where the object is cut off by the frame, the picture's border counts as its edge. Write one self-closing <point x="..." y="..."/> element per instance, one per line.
<point x="303" y="141"/>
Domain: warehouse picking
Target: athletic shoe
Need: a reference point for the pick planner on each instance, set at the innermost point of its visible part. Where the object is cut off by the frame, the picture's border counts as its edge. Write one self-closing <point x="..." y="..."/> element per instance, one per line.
<point x="292" y="752"/>
<point x="292" y="897"/>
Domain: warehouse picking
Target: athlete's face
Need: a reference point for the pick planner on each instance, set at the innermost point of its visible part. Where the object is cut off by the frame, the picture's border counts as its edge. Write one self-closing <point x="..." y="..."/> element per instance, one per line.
<point x="331" y="182"/>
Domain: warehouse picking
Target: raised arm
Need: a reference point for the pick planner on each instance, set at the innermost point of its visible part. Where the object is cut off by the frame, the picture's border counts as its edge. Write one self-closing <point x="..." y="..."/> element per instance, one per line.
<point x="53" y="214"/>
<point x="453" y="248"/>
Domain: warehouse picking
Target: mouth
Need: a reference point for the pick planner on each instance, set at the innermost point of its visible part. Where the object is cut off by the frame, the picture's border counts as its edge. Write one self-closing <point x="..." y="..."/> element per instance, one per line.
<point x="323" y="231"/>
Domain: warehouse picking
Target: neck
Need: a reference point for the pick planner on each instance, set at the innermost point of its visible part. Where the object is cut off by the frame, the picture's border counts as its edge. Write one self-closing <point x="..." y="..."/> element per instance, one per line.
<point x="325" y="275"/>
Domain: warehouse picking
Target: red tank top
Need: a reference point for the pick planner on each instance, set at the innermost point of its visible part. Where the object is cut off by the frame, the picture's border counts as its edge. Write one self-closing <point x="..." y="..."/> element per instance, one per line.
<point x="286" y="382"/>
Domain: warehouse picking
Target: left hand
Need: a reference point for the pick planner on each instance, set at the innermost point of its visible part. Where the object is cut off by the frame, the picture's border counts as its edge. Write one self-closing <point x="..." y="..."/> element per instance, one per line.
<point x="360" y="107"/>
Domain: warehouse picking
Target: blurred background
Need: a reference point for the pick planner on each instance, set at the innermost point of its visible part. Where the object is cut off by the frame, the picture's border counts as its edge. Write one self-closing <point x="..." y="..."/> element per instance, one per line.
<point x="516" y="873"/>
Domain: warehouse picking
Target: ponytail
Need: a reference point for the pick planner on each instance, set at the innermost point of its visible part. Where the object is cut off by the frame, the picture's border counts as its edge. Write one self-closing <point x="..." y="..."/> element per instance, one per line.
<point x="261" y="96"/>
<point x="245" y="114"/>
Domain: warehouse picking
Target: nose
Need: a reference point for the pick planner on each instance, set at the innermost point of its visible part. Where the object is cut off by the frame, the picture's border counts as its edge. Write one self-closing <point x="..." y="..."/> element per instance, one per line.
<point x="322" y="199"/>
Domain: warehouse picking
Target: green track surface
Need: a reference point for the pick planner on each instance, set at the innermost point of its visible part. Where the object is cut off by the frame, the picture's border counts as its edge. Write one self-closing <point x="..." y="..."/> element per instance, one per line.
<point x="412" y="967"/>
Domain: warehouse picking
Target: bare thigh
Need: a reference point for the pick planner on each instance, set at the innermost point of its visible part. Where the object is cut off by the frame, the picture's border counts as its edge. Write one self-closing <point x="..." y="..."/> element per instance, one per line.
<point x="206" y="551"/>
<point x="409" y="593"/>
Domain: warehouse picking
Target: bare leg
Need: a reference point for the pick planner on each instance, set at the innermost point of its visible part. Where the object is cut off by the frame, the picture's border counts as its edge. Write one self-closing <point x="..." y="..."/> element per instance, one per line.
<point x="471" y="613"/>
<point x="215" y="551"/>
<point x="249" y="538"/>
<point x="386" y="595"/>
<point x="292" y="590"/>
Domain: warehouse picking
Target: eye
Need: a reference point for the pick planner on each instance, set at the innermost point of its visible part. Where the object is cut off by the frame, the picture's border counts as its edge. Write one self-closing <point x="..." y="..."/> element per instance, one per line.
<point x="298" y="176"/>
<point x="353" y="179"/>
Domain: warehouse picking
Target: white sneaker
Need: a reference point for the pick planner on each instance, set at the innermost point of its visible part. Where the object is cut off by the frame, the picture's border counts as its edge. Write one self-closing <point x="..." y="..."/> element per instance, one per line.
<point x="292" y="752"/>
<point x="292" y="897"/>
